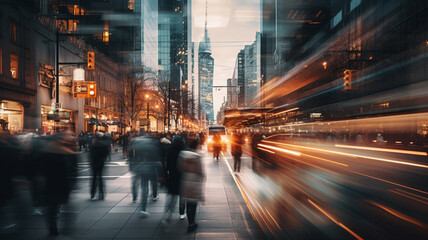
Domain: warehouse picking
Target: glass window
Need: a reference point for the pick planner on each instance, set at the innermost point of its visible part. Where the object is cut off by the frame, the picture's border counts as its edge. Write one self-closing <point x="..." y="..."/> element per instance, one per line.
<point x="337" y="19"/>
<point x="14" y="65"/>
<point x="13" y="31"/>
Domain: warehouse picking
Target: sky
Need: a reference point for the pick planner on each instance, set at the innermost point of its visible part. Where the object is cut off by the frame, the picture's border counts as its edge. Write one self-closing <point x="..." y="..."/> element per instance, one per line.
<point x="232" y="24"/>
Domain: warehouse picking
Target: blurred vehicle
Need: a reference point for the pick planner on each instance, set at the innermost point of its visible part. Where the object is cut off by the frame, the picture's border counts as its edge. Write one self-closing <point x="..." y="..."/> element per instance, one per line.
<point x="221" y="130"/>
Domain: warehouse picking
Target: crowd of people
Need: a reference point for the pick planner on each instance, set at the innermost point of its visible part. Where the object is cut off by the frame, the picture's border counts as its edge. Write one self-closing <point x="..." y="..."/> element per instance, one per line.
<point x="47" y="166"/>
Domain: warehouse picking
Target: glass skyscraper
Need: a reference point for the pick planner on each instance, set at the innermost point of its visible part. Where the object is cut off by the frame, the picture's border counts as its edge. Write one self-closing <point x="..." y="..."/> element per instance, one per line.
<point x="206" y="74"/>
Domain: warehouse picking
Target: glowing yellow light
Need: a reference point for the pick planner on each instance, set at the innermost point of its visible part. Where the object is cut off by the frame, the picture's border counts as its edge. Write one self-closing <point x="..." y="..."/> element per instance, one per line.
<point x="383" y="149"/>
<point x="280" y="149"/>
<point x="353" y="155"/>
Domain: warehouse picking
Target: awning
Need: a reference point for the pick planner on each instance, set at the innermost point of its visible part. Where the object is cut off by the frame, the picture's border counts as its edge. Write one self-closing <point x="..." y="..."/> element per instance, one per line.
<point x="239" y="117"/>
<point x="94" y="121"/>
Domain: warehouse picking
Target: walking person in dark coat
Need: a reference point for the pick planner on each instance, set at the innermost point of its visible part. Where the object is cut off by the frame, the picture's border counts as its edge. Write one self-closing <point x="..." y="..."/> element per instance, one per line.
<point x="237" y="151"/>
<point x="58" y="161"/>
<point x="99" y="151"/>
<point x="192" y="181"/>
<point x="174" y="177"/>
<point x="144" y="161"/>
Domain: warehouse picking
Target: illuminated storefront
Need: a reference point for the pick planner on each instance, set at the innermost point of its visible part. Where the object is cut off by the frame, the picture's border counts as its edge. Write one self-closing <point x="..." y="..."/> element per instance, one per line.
<point x="11" y="116"/>
<point x="65" y="121"/>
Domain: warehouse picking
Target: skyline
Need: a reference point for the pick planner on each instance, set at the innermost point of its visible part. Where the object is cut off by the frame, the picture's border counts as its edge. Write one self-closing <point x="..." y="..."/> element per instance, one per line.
<point x="231" y="26"/>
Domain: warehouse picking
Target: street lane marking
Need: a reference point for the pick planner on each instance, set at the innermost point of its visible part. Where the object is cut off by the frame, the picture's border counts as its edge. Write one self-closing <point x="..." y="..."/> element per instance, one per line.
<point x="334" y="220"/>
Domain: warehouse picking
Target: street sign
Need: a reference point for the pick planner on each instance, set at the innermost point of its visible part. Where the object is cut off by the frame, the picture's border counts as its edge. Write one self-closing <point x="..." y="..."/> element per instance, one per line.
<point x="58" y="106"/>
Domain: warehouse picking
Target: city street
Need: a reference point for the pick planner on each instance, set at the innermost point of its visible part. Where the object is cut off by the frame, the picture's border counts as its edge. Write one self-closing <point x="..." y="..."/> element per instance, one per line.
<point x="223" y="214"/>
<point x="301" y="190"/>
<point x="323" y="102"/>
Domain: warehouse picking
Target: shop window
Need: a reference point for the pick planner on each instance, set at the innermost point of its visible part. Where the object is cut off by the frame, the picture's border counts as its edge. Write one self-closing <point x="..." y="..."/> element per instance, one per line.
<point x="14" y="65"/>
<point x="13" y="31"/>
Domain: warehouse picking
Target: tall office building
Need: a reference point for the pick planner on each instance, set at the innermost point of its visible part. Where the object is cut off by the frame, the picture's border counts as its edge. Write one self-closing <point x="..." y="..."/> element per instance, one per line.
<point x="174" y="40"/>
<point x="206" y="74"/>
<point x="252" y="72"/>
<point x="149" y="34"/>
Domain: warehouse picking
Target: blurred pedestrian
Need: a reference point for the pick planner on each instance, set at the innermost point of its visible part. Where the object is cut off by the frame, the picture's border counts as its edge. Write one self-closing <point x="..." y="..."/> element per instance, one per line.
<point x="82" y="141"/>
<point x="125" y="142"/>
<point x="9" y="152"/>
<point x="100" y="149"/>
<point x="165" y="143"/>
<point x="192" y="181"/>
<point x="237" y="142"/>
<point x="144" y="161"/>
<point x="59" y="163"/>
<point x="216" y="145"/>
<point x="174" y="178"/>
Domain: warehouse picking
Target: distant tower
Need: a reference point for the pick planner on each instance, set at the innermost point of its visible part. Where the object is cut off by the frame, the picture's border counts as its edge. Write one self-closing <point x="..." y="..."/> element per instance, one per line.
<point x="206" y="74"/>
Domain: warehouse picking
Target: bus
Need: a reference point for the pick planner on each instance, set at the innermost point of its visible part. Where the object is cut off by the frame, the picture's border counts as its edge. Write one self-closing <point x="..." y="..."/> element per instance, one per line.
<point x="221" y="130"/>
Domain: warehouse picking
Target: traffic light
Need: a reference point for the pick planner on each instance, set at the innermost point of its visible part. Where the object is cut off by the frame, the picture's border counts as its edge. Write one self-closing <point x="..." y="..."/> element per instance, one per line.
<point x="90" y="61"/>
<point x="92" y="90"/>
<point x="347" y="79"/>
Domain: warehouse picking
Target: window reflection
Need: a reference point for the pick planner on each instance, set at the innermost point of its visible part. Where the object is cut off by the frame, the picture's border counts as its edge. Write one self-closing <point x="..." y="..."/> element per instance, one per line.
<point x="14" y="65"/>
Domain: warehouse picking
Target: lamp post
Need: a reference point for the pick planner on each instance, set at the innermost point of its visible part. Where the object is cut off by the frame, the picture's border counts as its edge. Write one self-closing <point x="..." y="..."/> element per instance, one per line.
<point x="148" y="107"/>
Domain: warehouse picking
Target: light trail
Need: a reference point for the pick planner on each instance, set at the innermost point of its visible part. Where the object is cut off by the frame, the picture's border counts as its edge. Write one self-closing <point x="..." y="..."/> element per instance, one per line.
<point x="409" y="195"/>
<point x="382" y="149"/>
<point x="352" y="155"/>
<point x="263" y="149"/>
<point x="398" y="214"/>
<point x="326" y="160"/>
<point x="334" y="220"/>
<point x="244" y="195"/>
<point x="280" y="149"/>
<point x="273" y="218"/>
<point x="393" y="183"/>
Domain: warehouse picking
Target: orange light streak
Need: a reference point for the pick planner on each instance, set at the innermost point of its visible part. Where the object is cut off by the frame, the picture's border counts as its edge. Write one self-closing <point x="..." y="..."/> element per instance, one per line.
<point x="270" y="215"/>
<point x="334" y="220"/>
<point x="244" y="195"/>
<point x="326" y="160"/>
<point x="263" y="149"/>
<point x="288" y="110"/>
<point x="280" y="149"/>
<point x="398" y="214"/>
<point x="354" y="155"/>
<point x="409" y="195"/>
<point x="393" y="183"/>
<point x="383" y="149"/>
<point x="310" y="148"/>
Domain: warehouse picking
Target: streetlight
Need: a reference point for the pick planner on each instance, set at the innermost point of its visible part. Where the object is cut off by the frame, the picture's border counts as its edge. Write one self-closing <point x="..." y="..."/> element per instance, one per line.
<point x="148" y="107"/>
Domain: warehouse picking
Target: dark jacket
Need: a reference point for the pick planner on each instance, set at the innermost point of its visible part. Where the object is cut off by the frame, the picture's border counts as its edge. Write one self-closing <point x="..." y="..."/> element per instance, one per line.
<point x="145" y="155"/>
<point x="237" y="142"/>
<point x="100" y="148"/>
<point x="58" y="164"/>
<point x="173" y="174"/>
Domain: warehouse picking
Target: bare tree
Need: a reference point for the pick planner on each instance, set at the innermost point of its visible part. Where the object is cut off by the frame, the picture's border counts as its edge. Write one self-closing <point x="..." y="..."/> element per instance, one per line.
<point x="135" y="82"/>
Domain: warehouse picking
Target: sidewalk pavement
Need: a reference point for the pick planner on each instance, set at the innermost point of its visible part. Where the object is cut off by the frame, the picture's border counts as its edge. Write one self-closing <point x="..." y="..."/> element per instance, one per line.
<point x="223" y="215"/>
